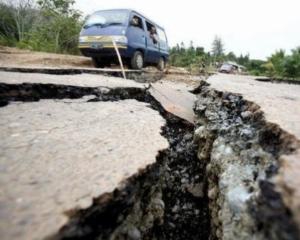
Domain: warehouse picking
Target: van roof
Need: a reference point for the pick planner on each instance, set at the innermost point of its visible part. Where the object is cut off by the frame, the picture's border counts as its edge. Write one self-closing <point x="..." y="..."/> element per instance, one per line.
<point x="132" y="10"/>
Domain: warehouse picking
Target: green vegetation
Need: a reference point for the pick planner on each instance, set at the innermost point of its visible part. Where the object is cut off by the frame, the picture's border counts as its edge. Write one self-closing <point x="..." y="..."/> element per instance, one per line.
<point x="278" y="66"/>
<point x="49" y="25"/>
<point x="191" y="57"/>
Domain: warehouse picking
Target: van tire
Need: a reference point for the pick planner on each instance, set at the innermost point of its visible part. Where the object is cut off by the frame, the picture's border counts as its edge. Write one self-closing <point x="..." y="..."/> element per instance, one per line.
<point x="161" y="64"/>
<point x="137" y="61"/>
<point x="97" y="62"/>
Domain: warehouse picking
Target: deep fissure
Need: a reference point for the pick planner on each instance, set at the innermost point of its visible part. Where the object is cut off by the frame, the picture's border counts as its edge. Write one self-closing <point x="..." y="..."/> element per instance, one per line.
<point x="165" y="201"/>
<point x="243" y="152"/>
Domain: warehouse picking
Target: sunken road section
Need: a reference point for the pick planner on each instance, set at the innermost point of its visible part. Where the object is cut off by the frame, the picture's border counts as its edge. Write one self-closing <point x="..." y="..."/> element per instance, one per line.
<point x="242" y="153"/>
<point x="165" y="200"/>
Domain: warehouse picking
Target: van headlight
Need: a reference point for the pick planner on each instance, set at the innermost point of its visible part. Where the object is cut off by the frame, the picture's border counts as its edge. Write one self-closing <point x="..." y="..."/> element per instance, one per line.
<point x="120" y="39"/>
<point x="82" y="39"/>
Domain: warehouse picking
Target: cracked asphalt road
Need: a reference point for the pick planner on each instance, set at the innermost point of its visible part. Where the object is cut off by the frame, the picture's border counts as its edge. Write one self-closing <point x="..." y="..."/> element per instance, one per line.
<point x="279" y="101"/>
<point x="56" y="156"/>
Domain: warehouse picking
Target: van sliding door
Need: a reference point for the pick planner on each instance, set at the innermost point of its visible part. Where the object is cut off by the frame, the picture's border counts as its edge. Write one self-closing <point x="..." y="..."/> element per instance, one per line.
<point x="153" y="54"/>
<point x="136" y="34"/>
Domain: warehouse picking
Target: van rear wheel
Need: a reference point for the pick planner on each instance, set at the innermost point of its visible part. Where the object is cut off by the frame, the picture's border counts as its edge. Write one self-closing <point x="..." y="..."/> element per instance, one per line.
<point x="161" y="64"/>
<point x="97" y="62"/>
<point x="137" y="61"/>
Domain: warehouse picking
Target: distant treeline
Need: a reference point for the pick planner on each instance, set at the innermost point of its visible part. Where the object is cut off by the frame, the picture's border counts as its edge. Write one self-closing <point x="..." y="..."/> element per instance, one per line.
<point x="278" y="65"/>
<point x="43" y="25"/>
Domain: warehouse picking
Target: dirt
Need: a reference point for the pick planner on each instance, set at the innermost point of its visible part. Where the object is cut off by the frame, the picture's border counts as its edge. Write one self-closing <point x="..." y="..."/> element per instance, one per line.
<point x="14" y="59"/>
<point x="19" y="57"/>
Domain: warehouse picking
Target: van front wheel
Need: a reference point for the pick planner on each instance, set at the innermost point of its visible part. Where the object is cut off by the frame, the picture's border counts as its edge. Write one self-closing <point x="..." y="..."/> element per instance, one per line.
<point x="161" y="64"/>
<point x="98" y="63"/>
<point x="137" y="61"/>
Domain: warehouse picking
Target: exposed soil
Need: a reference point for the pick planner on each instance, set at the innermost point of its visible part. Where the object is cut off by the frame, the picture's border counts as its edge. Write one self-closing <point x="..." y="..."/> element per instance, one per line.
<point x="242" y="151"/>
<point x="19" y="57"/>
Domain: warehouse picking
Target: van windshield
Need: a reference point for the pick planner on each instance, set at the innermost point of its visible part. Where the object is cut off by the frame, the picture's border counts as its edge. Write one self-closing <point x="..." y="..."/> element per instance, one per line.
<point x="107" y="18"/>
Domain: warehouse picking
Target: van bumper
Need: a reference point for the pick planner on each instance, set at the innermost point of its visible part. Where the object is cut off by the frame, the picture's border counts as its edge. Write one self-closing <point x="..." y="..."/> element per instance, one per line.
<point x="105" y="52"/>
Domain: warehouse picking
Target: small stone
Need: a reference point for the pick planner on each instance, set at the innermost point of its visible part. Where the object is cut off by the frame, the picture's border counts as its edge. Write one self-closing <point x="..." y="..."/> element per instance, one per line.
<point x="200" y="108"/>
<point x="158" y="203"/>
<point x="208" y="168"/>
<point x="184" y="180"/>
<point x="200" y="132"/>
<point x="134" y="234"/>
<point x="172" y="225"/>
<point x="196" y="190"/>
<point x="246" y="115"/>
<point x="246" y="134"/>
<point x="212" y="193"/>
<point x="175" y="208"/>
<point x="219" y="234"/>
<point x="188" y="136"/>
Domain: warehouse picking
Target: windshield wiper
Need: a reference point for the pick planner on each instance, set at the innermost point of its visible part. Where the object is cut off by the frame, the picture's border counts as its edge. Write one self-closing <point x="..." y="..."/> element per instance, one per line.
<point x="93" y="24"/>
<point x="112" y="23"/>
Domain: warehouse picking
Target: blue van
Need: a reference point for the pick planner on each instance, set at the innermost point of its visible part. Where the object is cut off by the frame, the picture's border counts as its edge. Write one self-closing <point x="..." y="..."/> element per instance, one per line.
<point x="140" y="41"/>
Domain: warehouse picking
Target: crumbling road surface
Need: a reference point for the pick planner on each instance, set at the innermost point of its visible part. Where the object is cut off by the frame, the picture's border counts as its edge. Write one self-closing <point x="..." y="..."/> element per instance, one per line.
<point x="280" y="102"/>
<point x="87" y="156"/>
<point x="248" y="132"/>
<point x="75" y="144"/>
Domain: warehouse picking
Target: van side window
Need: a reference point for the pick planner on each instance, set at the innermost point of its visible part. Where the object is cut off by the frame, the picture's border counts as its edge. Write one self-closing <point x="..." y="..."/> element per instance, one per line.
<point x="151" y="29"/>
<point x="137" y="22"/>
<point x="161" y="35"/>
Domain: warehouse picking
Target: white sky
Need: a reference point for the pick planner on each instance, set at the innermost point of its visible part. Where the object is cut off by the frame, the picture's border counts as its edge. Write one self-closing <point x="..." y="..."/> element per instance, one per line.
<point x="257" y="27"/>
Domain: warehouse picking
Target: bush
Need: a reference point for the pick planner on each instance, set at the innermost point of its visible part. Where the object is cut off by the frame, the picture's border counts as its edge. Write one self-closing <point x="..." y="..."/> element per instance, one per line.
<point x="51" y="26"/>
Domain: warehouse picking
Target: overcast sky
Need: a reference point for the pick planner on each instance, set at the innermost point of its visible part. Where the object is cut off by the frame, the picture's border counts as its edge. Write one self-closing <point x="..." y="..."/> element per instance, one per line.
<point x="257" y="27"/>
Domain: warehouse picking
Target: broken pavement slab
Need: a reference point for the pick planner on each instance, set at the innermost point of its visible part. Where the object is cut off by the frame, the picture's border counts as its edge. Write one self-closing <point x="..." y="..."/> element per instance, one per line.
<point x="115" y="72"/>
<point x="57" y="156"/>
<point x="80" y="80"/>
<point x="280" y="102"/>
<point x="248" y="132"/>
<point x="174" y="97"/>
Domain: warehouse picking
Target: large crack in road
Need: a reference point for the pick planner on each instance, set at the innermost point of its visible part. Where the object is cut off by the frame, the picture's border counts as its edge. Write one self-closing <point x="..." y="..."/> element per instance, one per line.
<point x="165" y="201"/>
<point x="215" y="181"/>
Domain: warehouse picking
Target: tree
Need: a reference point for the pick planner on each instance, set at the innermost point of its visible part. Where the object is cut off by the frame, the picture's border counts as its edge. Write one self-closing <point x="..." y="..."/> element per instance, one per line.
<point x="16" y="19"/>
<point x="231" y="56"/>
<point x="291" y="64"/>
<point x="58" y="28"/>
<point x="200" y="51"/>
<point x="243" y="59"/>
<point x="256" y="67"/>
<point x="217" y="47"/>
<point x="276" y="60"/>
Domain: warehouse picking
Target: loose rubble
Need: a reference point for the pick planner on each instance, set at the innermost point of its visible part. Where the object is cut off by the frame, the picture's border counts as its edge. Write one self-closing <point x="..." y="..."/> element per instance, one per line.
<point x="241" y="151"/>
